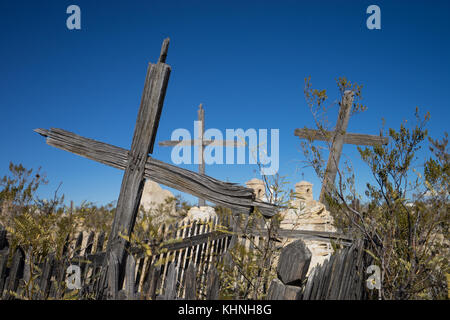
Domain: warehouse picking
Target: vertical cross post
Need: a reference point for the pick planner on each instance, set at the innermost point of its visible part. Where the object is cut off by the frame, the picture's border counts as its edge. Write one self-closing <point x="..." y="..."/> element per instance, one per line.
<point x="337" y="144"/>
<point x="337" y="139"/>
<point x="201" y="165"/>
<point x="201" y="142"/>
<point x="143" y="140"/>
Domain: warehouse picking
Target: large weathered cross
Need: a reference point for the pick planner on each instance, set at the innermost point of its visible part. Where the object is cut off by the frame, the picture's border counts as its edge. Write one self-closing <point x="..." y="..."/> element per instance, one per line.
<point x="338" y="137"/>
<point x="138" y="166"/>
<point x="201" y="142"/>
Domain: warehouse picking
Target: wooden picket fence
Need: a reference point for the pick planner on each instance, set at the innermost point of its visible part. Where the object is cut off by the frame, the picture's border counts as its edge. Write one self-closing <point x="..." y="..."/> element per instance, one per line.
<point x="342" y="277"/>
<point x="182" y="265"/>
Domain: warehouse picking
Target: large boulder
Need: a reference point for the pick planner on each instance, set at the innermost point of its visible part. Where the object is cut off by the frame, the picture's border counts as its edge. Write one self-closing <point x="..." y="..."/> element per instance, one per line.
<point x="294" y="263"/>
<point x="307" y="214"/>
<point x="160" y="203"/>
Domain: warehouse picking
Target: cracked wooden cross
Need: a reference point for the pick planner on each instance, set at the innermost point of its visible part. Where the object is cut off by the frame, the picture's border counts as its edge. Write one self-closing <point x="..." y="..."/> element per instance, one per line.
<point x="338" y="138"/>
<point x="201" y="142"/>
<point x="138" y="166"/>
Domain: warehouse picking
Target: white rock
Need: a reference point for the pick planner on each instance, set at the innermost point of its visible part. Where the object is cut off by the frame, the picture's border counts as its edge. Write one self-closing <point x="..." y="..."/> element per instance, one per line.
<point x="308" y="214"/>
<point x="200" y="213"/>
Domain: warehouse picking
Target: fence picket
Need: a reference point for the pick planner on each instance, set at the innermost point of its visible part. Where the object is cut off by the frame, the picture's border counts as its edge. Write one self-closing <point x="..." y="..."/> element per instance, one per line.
<point x="183" y="269"/>
<point x="15" y="273"/>
<point x="113" y="276"/>
<point x="213" y="284"/>
<point x="170" y="286"/>
<point x="130" y="273"/>
<point x="44" y="283"/>
<point x="190" y="282"/>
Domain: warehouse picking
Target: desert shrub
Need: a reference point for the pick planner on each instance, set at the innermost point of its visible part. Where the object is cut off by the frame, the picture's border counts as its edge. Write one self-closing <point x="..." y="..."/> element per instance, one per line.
<point x="405" y="213"/>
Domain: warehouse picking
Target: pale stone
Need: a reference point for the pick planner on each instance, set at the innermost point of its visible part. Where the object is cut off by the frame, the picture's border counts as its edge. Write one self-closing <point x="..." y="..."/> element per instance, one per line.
<point x="200" y="213"/>
<point x="308" y="214"/>
<point x="303" y="195"/>
<point x="303" y="190"/>
<point x="159" y="202"/>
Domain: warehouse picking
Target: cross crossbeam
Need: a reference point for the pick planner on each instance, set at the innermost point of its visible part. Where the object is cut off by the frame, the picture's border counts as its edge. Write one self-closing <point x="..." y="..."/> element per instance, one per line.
<point x="201" y="143"/>
<point x="231" y="195"/>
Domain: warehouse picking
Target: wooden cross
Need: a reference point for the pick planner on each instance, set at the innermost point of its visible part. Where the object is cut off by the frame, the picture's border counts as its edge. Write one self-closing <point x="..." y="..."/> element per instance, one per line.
<point x="138" y="166"/>
<point x="201" y="143"/>
<point x="338" y="137"/>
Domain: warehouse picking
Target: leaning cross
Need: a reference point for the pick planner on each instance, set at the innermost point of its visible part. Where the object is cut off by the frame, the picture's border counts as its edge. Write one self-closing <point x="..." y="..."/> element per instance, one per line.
<point x="201" y="143"/>
<point x="133" y="180"/>
<point x="338" y="137"/>
<point x="138" y="166"/>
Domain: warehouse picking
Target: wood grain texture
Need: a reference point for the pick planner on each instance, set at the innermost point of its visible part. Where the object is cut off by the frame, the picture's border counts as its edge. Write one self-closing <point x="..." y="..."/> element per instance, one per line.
<point x="227" y="194"/>
<point x="130" y="272"/>
<point x="201" y="161"/>
<point x="190" y="282"/>
<point x="44" y="282"/>
<point x="3" y="239"/>
<point x="3" y="268"/>
<point x="349" y="138"/>
<point x="133" y="180"/>
<point x="338" y="138"/>
<point x="292" y="292"/>
<point x="276" y="290"/>
<point x="337" y="144"/>
<point x="113" y="277"/>
<point x="170" y="284"/>
<point x="15" y="274"/>
<point x="294" y="263"/>
<point x="164" y="49"/>
<point x="339" y="278"/>
<point x="212" y="292"/>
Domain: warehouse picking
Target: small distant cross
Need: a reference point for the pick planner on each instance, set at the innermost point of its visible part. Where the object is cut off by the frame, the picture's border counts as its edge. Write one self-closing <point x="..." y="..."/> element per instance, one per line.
<point x="338" y="137"/>
<point x="201" y="143"/>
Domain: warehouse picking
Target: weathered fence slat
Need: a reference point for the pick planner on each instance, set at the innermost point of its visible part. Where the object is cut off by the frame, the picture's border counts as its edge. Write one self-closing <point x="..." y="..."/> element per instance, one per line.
<point x="113" y="277"/>
<point x="15" y="273"/>
<point x="292" y="267"/>
<point x="3" y="238"/>
<point x="3" y="269"/>
<point x="78" y="245"/>
<point x="170" y="286"/>
<point x="276" y="290"/>
<point x="44" y="283"/>
<point x="339" y="278"/>
<point x="226" y="194"/>
<point x="130" y="273"/>
<point x="190" y="282"/>
<point x="151" y="282"/>
<point x="212" y="292"/>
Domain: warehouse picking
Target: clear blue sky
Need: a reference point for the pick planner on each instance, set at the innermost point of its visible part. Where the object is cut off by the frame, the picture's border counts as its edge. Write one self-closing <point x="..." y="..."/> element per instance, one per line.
<point x="245" y="60"/>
